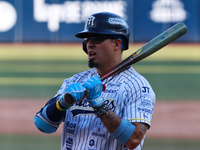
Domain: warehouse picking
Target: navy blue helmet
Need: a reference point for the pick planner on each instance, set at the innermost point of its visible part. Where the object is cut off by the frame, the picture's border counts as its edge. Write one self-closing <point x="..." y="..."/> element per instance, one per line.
<point x="105" y="23"/>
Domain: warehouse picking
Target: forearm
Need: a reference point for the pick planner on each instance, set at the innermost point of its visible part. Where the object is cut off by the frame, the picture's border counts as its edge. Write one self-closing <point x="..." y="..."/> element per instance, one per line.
<point x="125" y="132"/>
<point x="49" y="117"/>
<point x="111" y="121"/>
<point x="120" y="129"/>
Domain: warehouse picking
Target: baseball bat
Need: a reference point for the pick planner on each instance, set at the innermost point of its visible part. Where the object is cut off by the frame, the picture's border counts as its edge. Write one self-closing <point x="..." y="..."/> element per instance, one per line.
<point x="151" y="47"/>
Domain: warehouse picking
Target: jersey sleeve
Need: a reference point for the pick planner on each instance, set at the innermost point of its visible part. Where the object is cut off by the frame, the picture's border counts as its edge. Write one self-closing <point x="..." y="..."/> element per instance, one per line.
<point x="140" y="102"/>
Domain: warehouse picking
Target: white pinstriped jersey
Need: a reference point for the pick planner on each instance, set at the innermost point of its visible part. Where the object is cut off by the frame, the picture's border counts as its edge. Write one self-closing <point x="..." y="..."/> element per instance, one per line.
<point x="128" y="94"/>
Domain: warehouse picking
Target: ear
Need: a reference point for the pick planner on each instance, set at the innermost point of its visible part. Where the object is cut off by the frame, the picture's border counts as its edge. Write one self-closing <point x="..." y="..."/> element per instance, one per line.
<point x="117" y="43"/>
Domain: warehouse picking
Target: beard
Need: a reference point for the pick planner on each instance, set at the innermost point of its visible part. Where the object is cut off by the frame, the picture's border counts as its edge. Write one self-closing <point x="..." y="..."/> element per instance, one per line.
<point x="92" y="63"/>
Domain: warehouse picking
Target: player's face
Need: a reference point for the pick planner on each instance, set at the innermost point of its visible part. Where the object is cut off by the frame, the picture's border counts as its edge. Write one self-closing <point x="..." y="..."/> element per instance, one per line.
<point x="100" y="51"/>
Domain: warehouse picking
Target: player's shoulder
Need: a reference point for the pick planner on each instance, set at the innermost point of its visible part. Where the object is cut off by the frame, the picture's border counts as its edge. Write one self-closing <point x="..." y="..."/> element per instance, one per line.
<point x="137" y="83"/>
<point x="131" y="76"/>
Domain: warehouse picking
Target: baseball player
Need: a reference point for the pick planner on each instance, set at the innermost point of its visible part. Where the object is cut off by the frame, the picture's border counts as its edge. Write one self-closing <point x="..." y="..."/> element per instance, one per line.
<point x="97" y="118"/>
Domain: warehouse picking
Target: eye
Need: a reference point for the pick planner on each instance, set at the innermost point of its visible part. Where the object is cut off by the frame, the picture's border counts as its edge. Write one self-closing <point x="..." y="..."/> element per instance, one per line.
<point x="95" y="39"/>
<point x="86" y="40"/>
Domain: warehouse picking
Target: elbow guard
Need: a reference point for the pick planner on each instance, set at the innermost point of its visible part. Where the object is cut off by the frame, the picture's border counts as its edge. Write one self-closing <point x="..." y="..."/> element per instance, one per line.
<point x="43" y="125"/>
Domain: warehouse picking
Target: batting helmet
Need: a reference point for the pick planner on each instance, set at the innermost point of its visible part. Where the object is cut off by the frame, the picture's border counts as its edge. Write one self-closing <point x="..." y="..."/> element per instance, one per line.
<point x="105" y="23"/>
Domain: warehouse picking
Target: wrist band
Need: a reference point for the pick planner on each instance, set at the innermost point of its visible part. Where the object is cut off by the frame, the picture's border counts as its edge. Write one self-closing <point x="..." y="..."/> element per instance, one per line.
<point x="97" y="102"/>
<point x="59" y="107"/>
<point x="101" y="110"/>
<point x="124" y="131"/>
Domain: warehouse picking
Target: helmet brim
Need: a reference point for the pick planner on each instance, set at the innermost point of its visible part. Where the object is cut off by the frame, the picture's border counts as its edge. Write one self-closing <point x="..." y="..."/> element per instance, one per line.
<point x="86" y="33"/>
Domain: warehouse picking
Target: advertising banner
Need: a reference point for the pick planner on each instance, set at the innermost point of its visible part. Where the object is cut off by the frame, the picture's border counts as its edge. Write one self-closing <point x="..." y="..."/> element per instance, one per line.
<point x="58" y="21"/>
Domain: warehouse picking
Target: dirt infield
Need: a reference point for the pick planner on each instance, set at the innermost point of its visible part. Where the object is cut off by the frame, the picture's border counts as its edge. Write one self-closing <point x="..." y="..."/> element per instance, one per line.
<point x="170" y="120"/>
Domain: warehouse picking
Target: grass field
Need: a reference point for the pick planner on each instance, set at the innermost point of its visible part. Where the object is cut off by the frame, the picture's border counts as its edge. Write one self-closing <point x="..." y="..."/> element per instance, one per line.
<point x="24" y="142"/>
<point x="37" y="71"/>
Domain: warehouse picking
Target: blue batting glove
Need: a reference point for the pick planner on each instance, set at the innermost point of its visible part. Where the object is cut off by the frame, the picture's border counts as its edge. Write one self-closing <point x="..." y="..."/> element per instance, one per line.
<point x="73" y="93"/>
<point x="94" y="86"/>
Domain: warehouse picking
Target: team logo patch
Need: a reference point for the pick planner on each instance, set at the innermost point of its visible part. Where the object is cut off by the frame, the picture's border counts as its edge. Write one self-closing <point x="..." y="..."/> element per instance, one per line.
<point x="112" y="87"/>
<point x="91" y="142"/>
<point x="145" y="89"/>
<point x="90" y="21"/>
<point x="145" y="106"/>
<point x="117" y="21"/>
<point x="84" y="107"/>
<point x="81" y="108"/>
<point x="71" y="127"/>
<point x="76" y="112"/>
<point x="145" y="110"/>
<point x="98" y="132"/>
<point x="69" y="142"/>
<point x="146" y="102"/>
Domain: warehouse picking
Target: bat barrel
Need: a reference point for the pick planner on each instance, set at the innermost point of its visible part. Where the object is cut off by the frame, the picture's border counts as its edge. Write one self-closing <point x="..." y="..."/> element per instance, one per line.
<point x="162" y="40"/>
<point x="151" y="47"/>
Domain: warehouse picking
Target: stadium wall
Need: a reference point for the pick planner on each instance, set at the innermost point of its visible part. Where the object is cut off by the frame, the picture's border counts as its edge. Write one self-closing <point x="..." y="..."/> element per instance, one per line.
<point x="58" y="21"/>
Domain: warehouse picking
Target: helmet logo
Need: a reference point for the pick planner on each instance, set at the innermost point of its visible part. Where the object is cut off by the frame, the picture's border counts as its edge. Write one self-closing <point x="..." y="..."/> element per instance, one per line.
<point x="117" y="21"/>
<point x="90" y="21"/>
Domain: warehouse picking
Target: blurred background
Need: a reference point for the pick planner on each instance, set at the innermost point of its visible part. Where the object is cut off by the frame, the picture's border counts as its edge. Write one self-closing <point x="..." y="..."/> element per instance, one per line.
<point x="38" y="50"/>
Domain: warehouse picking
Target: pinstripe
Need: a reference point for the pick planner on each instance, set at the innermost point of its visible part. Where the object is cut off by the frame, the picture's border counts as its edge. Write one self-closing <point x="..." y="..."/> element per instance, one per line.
<point x="123" y="94"/>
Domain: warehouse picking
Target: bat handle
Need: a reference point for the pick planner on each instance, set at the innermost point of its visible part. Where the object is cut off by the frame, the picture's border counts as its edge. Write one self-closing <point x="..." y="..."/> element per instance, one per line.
<point x="87" y="94"/>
